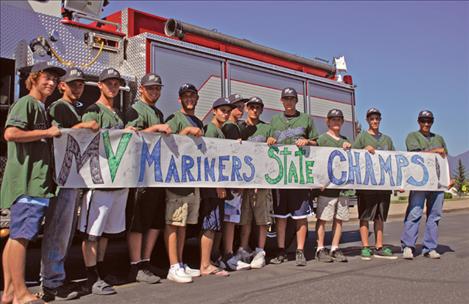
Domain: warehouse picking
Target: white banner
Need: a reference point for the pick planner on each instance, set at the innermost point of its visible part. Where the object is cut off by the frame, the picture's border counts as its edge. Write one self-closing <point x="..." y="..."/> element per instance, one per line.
<point x="117" y="159"/>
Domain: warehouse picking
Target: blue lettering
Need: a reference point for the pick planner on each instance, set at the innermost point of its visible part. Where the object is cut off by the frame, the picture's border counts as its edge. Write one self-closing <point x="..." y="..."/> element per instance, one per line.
<point x="370" y="172"/>
<point x="172" y="171"/>
<point x="248" y="161"/>
<point x="385" y="167"/>
<point x="330" y="171"/>
<point x="199" y="159"/>
<point x="354" y="176"/>
<point x="151" y="159"/>
<point x="221" y="167"/>
<point x="236" y="165"/>
<point x="402" y="162"/>
<point x="209" y="169"/>
<point x="418" y="160"/>
<point x="187" y="165"/>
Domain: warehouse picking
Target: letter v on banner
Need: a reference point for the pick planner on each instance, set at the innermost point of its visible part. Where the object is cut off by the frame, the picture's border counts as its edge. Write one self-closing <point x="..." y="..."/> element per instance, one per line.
<point x="114" y="160"/>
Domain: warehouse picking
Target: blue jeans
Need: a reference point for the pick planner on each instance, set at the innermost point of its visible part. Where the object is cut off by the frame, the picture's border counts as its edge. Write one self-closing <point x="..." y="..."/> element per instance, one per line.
<point x="61" y="223"/>
<point x="417" y="199"/>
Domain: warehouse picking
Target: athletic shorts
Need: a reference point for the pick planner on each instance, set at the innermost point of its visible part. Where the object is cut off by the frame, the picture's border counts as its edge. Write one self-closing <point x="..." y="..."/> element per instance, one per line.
<point x="373" y="205"/>
<point x="233" y="208"/>
<point x="182" y="210"/>
<point x="257" y="205"/>
<point x="103" y="212"/>
<point x="330" y="208"/>
<point x="26" y="216"/>
<point x="211" y="214"/>
<point x="294" y="203"/>
<point x="145" y="209"/>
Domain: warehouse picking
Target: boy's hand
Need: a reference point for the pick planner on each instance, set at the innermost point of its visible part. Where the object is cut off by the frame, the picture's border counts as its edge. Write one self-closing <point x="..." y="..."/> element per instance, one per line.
<point x="164" y="128"/>
<point x="370" y="149"/>
<point x="93" y="126"/>
<point x="53" y="132"/>
<point x="301" y="142"/>
<point x="221" y="192"/>
<point x="130" y="128"/>
<point x="346" y="145"/>
<point x="271" y="141"/>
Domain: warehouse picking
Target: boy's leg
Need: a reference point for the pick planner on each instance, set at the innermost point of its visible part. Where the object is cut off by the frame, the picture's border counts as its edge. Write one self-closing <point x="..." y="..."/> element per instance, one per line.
<point x="134" y="241"/>
<point x="379" y="227"/>
<point x="8" y="291"/>
<point x="206" y="243"/>
<point x="228" y="237"/>
<point x="364" y="232"/>
<point x="320" y="232"/>
<point x="171" y="240"/>
<point x="17" y="261"/>
<point x="301" y="232"/>
<point x="281" y="228"/>
<point x="245" y="234"/>
<point x="412" y="218"/>
<point x="181" y="240"/>
<point x="149" y="243"/>
<point x="434" y="212"/>
<point x="337" y="234"/>
<point x="262" y="236"/>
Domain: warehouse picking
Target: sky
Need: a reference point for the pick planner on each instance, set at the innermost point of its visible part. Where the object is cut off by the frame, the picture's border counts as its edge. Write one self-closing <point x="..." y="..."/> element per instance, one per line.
<point x="404" y="56"/>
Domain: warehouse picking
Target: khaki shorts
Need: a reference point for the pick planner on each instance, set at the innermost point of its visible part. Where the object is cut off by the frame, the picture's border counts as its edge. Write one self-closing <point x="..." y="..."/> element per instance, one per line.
<point x="330" y="208"/>
<point x="258" y="205"/>
<point x="182" y="210"/>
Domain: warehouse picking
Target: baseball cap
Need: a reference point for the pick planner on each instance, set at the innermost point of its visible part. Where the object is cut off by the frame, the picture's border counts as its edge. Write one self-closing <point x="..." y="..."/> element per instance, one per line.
<point x="187" y="87"/>
<point x="111" y="73"/>
<point x="151" y="79"/>
<point x="255" y="100"/>
<point x="426" y="114"/>
<point x="235" y="98"/>
<point x="335" y="113"/>
<point x="47" y="66"/>
<point x="73" y="74"/>
<point x="289" y="92"/>
<point x="372" y="111"/>
<point x="222" y="102"/>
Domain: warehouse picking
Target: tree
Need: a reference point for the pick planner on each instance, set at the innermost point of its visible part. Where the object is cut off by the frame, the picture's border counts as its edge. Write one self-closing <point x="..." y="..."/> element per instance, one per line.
<point x="460" y="178"/>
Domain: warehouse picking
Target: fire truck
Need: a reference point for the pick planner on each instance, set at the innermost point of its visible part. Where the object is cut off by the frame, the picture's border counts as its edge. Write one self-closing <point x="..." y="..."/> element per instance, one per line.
<point x="73" y="33"/>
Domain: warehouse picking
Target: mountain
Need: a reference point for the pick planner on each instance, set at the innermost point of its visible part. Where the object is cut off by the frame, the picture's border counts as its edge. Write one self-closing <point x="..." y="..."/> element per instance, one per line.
<point x="453" y="162"/>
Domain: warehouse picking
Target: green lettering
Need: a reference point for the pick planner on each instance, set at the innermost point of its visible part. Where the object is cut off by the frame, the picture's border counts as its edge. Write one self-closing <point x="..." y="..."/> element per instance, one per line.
<point x="271" y="154"/>
<point x="309" y="171"/>
<point x="292" y="172"/>
<point x="285" y="152"/>
<point x="300" y="153"/>
<point x="114" y="160"/>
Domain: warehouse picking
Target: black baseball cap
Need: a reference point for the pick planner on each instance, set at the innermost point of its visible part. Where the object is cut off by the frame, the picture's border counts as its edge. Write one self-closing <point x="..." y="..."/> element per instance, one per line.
<point x="255" y="100"/>
<point x="425" y="114"/>
<point x="47" y="66"/>
<point x="235" y="98"/>
<point x="222" y="102"/>
<point x="151" y="79"/>
<point x="73" y="74"/>
<point x="187" y="87"/>
<point x="373" y="111"/>
<point x="111" y="73"/>
<point x="289" y="92"/>
<point x="335" y="113"/>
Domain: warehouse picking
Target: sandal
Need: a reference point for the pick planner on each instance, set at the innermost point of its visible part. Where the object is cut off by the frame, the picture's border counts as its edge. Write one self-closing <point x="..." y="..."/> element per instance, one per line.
<point x="37" y="301"/>
<point x="100" y="287"/>
<point x="217" y="272"/>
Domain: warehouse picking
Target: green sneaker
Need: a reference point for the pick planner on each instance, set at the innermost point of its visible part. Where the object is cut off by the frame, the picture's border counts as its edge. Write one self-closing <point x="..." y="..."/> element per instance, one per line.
<point x="366" y="253"/>
<point x="384" y="253"/>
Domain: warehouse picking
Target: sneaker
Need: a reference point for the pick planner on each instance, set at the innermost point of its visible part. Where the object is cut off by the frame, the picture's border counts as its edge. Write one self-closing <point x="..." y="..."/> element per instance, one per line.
<point x="432" y="254"/>
<point x="259" y="259"/>
<point x="339" y="256"/>
<point x="243" y="255"/>
<point x="146" y="276"/>
<point x="235" y="264"/>
<point x="366" y="253"/>
<point x="407" y="253"/>
<point x="61" y="293"/>
<point x="191" y="272"/>
<point x="300" y="258"/>
<point x="322" y="255"/>
<point x="280" y="258"/>
<point x="384" y="253"/>
<point x="178" y="275"/>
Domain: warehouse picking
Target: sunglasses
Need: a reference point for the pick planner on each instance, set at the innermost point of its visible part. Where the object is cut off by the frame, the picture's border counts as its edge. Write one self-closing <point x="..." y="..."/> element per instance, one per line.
<point x="424" y="121"/>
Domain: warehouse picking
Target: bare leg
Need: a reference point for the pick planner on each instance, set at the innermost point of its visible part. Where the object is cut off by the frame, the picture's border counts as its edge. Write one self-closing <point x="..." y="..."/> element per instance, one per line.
<point x="281" y="224"/>
<point x="337" y="233"/>
<point x="17" y="260"/>
<point x="321" y="232"/>
<point x="171" y="240"/>
<point x="228" y="237"/>
<point x="364" y="231"/>
<point x="90" y="252"/>
<point x="245" y="234"/>
<point x="181" y="239"/>
<point x="301" y="232"/>
<point x="134" y="241"/>
<point x="149" y="243"/>
<point x="206" y="243"/>
<point x="262" y="236"/>
<point x="379" y="227"/>
<point x="102" y="246"/>
<point x="8" y="291"/>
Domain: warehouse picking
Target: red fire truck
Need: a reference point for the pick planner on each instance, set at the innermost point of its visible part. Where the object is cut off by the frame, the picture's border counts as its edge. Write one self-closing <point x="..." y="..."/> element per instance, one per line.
<point x="72" y="32"/>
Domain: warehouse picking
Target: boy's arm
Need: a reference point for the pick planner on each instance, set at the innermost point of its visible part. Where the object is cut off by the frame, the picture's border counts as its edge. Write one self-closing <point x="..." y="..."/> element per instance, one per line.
<point x="18" y="135"/>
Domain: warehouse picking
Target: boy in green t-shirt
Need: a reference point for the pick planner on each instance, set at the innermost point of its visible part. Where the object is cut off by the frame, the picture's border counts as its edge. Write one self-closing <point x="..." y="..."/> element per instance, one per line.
<point x="292" y="128"/>
<point x="213" y="199"/>
<point x="102" y="210"/>
<point x="182" y="204"/>
<point x="27" y="182"/>
<point x="330" y="207"/>
<point x="146" y="206"/>
<point x="256" y="203"/>
<point x="61" y="219"/>
<point x="373" y="205"/>
<point x="423" y="141"/>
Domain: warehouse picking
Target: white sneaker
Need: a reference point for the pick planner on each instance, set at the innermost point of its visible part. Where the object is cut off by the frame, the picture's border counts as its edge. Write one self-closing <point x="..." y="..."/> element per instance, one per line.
<point x="178" y="275"/>
<point x="243" y="255"/>
<point x="432" y="255"/>
<point x="234" y="263"/>
<point x="259" y="259"/>
<point x="407" y="253"/>
<point x="193" y="273"/>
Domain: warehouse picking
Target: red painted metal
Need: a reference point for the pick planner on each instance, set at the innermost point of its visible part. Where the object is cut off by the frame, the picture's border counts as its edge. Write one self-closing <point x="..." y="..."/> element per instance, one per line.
<point x="93" y="27"/>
